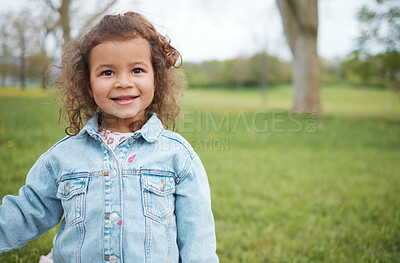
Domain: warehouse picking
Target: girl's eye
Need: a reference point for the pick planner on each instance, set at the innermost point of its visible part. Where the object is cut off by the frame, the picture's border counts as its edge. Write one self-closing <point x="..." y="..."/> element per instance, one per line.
<point x="137" y="70"/>
<point x="107" y="73"/>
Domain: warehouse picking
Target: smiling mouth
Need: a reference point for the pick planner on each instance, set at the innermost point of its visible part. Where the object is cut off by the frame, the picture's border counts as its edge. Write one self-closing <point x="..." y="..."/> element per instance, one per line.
<point x="124" y="98"/>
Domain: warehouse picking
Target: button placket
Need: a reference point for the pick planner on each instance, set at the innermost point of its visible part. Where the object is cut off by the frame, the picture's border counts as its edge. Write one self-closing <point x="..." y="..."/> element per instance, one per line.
<point x="114" y="217"/>
<point x="113" y="173"/>
<point x="113" y="259"/>
<point x="111" y="209"/>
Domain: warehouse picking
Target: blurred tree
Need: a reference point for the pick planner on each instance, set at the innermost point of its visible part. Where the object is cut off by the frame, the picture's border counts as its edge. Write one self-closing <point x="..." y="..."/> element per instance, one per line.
<point x="270" y="69"/>
<point x="5" y="48"/>
<point x="38" y="63"/>
<point x="261" y="73"/>
<point x="23" y="25"/>
<point x="389" y="66"/>
<point x="238" y="72"/>
<point x="212" y="72"/>
<point x="22" y="40"/>
<point x="380" y="25"/>
<point x="332" y="71"/>
<point x="207" y="73"/>
<point x="65" y="14"/>
<point x="381" y="31"/>
<point x="379" y="70"/>
<point x="360" y="68"/>
<point x="300" y="22"/>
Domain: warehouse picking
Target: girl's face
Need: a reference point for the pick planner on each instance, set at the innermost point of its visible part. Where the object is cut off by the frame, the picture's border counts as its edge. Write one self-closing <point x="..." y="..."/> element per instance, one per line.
<point x="122" y="81"/>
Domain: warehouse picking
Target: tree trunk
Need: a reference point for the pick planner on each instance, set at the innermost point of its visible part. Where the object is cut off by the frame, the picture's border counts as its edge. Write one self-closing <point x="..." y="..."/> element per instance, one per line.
<point x="300" y="22"/>
<point x="264" y="78"/>
<point x="306" y="75"/>
<point x="5" y="54"/>
<point x="65" y="20"/>
<point x="3" y="79"/>
<point x="23" y="65"/>
<point x="65" y="15"/>
<point x="22" y="57"/>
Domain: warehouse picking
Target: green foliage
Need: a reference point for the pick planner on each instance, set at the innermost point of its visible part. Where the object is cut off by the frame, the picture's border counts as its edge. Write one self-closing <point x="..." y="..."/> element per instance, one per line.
<point x="377" y="61"/>
<point x="381" y="25"/>
<point x="285" y="187"/>
<point x="381" y="69"/>
<point x="37" y="65"/>
<point x="239" y="71"/>
<point x="331" y="71"/>
<point x="23" y="57"/>
<point x="8" y="69"/>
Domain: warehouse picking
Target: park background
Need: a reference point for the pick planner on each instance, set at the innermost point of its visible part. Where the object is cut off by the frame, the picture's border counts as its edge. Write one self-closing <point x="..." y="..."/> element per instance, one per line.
<point x="287" y="185"/>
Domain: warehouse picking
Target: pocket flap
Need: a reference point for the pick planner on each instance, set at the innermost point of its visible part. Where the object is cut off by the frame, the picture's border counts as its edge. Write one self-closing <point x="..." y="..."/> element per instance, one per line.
<point x="160" y="185"/>
<point x="72" y="186"/>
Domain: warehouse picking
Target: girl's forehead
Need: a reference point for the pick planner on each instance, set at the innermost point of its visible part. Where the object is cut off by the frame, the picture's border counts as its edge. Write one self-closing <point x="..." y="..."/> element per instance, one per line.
<point x="133" y="49"/>
<point x="122" y="45"/>
<point x="118" y="43"/>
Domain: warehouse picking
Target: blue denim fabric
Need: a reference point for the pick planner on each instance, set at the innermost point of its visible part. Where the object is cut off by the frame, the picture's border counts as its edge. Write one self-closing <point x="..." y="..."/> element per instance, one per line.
<point x="147" y="201"/>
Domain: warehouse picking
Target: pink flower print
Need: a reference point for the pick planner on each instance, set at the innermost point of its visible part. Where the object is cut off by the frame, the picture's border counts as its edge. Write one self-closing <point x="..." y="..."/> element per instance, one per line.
<point x="131" y="158"/>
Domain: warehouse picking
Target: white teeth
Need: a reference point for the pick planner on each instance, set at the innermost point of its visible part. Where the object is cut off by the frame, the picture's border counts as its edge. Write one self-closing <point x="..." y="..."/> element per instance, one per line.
<point x="123" y="99"/>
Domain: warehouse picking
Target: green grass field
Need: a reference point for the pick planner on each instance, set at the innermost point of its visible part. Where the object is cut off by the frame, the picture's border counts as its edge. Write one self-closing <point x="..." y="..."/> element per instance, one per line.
<point x="285" y="187"/>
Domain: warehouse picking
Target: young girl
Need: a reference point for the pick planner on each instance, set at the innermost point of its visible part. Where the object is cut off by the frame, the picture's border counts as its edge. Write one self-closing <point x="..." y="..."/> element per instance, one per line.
<point x="129" y="190"/>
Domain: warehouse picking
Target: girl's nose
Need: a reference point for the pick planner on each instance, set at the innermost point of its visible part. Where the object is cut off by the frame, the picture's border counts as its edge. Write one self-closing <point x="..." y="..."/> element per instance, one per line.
<point x="124" y="82"/>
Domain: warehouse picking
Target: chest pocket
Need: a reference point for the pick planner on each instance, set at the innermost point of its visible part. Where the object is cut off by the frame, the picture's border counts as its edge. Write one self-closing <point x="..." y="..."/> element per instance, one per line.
<point x="72" y="193"/>
<point x="158" y="196"/>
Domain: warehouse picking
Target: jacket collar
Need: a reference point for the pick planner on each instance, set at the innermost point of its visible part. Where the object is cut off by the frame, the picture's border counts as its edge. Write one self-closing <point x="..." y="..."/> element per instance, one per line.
<point x="150" y="131"/>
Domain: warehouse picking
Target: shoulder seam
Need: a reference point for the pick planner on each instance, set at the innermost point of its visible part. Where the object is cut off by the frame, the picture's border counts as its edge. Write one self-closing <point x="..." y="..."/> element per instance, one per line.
<point x="47" y="161"/>
<point x="60" y="141"/>
<point x="183" y="173"/>
<point x="49" y="167"/>
<point x="191" y="153"/>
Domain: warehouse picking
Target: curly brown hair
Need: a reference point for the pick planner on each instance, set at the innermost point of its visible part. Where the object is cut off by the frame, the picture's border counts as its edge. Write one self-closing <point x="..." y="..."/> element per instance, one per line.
<point x="74" y="81"/>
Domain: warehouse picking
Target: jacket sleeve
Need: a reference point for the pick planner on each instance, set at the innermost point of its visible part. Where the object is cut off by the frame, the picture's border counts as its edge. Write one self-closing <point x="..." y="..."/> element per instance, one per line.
<point x="195" y="222"/>
<point x="34" y="211"/>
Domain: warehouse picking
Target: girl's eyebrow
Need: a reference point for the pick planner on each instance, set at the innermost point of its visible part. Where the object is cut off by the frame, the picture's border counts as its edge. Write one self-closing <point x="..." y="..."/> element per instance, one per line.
<point x="134" y="63"/>
<point x="139" y="62"/>
<point x="103" y="66"/>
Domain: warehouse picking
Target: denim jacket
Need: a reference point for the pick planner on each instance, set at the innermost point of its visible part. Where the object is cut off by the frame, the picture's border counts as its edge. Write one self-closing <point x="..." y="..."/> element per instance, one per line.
<point x="146" y="201"/>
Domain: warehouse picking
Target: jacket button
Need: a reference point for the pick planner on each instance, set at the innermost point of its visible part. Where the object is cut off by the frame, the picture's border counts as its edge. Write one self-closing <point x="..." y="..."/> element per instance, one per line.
<point x="113" y="259"/>
<point x="114" y="217"/>
<point x="113" y="173"/>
